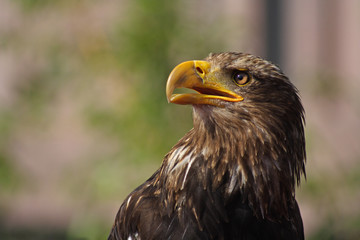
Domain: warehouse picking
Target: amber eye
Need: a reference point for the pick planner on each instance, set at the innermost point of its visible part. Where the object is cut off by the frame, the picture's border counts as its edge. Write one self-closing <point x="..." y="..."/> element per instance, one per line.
<point x="241" y="78"/>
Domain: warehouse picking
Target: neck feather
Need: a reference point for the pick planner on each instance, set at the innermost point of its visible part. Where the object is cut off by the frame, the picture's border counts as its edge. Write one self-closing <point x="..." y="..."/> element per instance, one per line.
<point x="247" y="157"/>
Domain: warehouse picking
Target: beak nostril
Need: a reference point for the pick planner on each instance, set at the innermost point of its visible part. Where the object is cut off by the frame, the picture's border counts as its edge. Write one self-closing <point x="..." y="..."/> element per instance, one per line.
<point x="199" y="70"/>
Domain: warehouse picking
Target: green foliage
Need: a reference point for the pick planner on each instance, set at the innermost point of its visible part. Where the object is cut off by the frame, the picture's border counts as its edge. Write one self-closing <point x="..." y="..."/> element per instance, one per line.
<point x="8" y="178"/>
<point x="33" y="234"/>
<point x="90" y="228"/>
<point x="352" y="179"/>
<point x="335" y="228"/>
<point x="143" y="52"/>
<point x="29" y="5"/>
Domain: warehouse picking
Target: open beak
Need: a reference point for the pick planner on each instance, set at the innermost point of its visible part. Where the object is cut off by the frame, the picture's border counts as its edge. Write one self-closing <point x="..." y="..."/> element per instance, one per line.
<point x="196" y="75"/>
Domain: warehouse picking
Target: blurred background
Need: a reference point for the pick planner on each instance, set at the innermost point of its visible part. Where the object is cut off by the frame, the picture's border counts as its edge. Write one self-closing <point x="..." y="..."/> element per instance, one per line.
<point x="84" y="117"/>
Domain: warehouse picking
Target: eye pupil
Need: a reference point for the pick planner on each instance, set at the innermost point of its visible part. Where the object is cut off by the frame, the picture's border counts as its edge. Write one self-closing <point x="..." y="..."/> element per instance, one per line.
<point x="241" y="78"/>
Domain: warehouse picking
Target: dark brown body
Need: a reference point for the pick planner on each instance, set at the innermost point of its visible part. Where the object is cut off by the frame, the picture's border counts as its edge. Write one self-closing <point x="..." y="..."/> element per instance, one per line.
<point x="149" y="219"/>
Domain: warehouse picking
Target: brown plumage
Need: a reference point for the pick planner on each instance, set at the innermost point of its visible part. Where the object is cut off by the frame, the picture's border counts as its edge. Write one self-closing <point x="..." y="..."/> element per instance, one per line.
<point x="232" y="176"/>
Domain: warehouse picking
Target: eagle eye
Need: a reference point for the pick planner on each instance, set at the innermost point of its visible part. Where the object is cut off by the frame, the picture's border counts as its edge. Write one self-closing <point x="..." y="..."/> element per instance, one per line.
<point x="241" y="78"/>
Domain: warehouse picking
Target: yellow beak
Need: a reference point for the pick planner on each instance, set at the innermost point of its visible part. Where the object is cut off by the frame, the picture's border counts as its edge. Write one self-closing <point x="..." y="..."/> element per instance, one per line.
<point x="194" y="75"/>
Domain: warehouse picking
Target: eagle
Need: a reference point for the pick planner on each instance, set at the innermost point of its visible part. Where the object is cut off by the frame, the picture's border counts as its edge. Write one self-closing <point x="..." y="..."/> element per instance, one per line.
<point x="234" y="174"/>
